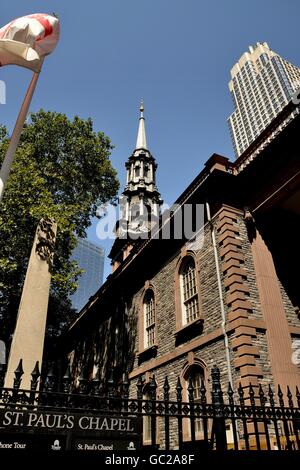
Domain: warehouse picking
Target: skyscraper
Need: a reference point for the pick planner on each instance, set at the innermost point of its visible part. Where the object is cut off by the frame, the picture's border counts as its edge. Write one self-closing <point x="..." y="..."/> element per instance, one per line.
<point x="90" y="257"/>
<point x="261" y="84"/>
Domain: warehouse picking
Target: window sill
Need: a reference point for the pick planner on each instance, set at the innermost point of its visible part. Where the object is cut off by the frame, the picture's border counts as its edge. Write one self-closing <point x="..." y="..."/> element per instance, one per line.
<point x="147" y="353"/>
<point x="188" y="331"/>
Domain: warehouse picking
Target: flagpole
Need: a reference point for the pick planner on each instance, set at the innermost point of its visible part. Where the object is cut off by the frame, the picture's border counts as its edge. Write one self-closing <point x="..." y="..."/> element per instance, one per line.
<point x="15" y="137"/>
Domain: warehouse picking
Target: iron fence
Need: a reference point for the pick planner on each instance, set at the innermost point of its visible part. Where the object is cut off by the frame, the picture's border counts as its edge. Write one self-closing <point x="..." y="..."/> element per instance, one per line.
<point x="247" y="418"/>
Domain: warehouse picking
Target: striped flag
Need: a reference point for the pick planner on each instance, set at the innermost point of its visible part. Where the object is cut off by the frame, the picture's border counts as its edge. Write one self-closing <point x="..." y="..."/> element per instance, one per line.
<point x="27" y="40"/>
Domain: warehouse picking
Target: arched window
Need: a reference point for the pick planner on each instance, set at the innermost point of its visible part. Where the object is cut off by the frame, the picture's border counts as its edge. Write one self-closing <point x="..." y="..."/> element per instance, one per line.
<point x="149" y="319"/>
<point x="189" y="291"/>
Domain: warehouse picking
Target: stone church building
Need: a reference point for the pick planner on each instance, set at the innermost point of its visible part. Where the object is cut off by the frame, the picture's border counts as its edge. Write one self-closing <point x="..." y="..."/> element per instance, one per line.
<point x="228" y="295"/>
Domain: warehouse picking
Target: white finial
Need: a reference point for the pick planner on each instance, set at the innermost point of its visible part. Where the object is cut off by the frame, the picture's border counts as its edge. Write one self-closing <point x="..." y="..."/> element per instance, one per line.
<point x="142" y="108"/>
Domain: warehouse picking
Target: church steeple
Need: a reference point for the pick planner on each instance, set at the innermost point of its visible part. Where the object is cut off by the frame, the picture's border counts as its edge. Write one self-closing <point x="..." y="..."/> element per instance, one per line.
<point x="141" y="141"/>
<point x="140" y="201"/>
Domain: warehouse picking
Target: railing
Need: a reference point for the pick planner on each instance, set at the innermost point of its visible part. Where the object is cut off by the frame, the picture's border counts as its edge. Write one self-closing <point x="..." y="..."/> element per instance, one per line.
<point x="247" y="418"/>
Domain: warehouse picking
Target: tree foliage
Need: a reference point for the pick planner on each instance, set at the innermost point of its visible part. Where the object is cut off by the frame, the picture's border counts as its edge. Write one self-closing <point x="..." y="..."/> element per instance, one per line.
<point x="61" y="170"/>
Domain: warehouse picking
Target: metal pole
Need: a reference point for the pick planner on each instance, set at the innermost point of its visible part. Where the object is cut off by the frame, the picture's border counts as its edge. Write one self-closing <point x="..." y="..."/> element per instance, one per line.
<point x="223" y="314"/>
<point x="15" y="138"/>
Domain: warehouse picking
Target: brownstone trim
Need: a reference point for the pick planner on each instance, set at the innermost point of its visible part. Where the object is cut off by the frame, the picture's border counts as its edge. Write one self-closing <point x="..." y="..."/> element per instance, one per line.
<point x="294" y="330"/>
<point x="234" y="296"/>
<point x="234" y="255"/>
<point x="239" y="286"/>
<point x="225" y="221"/>
<point x="229" y="210"/>
<point x="232" y="263"/>
<point x="228" y="249"/>
<point x="241" y="304"/>
<point x="247" y="371"/>
<point x="230" y="240"/>
<point x="229" y="233"/>
<point x="237" y="270"/>
<point x="229" y="227"/>
<point x="250" y="350"/>
<point x="235" y="278"/>
<point x="245" y="360"/>
<point x="235" y="314"/>
<point x="238" y="293"/>
<point x="241" y="341"/>
<point x="197" y="343"/>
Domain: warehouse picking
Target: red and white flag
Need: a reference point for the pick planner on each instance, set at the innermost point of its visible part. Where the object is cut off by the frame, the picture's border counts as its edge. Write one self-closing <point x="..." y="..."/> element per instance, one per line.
<point x="27" y="40"/>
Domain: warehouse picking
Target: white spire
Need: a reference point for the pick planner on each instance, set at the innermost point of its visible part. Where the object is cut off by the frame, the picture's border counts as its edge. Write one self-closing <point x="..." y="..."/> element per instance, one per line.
<point x="141" y="142"/>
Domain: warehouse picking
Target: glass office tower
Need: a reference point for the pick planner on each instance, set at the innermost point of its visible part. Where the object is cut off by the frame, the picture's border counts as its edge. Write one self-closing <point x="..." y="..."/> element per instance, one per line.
<point x="90" y="257"/>
<point x="261" y="84"/>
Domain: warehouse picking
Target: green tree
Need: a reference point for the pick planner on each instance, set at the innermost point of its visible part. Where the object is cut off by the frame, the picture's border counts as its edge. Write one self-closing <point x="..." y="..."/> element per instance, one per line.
<point x="61" y="170"/>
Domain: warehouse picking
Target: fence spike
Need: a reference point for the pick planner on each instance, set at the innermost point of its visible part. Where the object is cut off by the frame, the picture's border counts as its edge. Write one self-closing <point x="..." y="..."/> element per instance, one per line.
<point x="166" y="389"/>
<point x="271" y="396"/>
<point x="290" y="397"/>
<point x="241" y="394"/>
<point x="202" y="392"/>
<point x="50" y="379"/>
<point x="67" y="380"/>
<point x="82" y="382"/>
<point x="67" y="375"/>
<point x="125" y="385"/>
<point x="230" y="393"/>
<point x="19" y="370"/>
<point x="179" y="390"/>
<point x="280" y="396"/>
<point x="298" y="396"/>
<point x="261" y="395"/>
<point x="96" y="383"/>
<point x="251" y="394"/>
<point x="18" y="374"/>
<point x="111" y="383"/>
<point x="139" y="388"/>
<point x="152" y="387"/>
<point x="217" y="394"/>
<point x="35" y="374"/>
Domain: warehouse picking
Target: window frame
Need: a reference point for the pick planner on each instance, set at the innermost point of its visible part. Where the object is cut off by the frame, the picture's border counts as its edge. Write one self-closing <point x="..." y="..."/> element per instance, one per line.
<point x="146" y="352"/>
<point x="182" y="325"/>
<point x="149" y="308"/>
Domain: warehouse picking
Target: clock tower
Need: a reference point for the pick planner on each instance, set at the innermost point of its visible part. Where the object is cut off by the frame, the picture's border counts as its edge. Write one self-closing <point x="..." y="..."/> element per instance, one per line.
<point x="140" y="201"/>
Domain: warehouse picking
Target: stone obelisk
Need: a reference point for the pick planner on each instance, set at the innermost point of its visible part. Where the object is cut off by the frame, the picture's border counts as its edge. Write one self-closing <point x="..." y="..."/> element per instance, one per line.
<point x="28" y="338"/>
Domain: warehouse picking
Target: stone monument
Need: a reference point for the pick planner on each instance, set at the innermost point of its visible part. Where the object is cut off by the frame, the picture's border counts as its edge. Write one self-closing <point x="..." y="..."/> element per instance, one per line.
<point x="28" y="338"/>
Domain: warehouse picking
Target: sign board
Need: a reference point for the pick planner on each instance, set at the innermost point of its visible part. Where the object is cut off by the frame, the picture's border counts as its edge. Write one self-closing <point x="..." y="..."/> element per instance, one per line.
<point x="48" y="430"/>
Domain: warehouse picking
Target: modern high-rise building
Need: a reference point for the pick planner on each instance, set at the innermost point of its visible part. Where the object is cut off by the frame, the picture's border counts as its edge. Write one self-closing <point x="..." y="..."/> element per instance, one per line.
<point x="261" y="84"/>
<point x="89" y="257"/>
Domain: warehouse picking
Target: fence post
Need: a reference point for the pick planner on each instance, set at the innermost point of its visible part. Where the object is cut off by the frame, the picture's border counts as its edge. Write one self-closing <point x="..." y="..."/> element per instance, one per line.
<point x="125" y="391"/>
<point x="35" y="374"/>
<point x="218" y="430"/>
<point x="18" y="375"/>
<point x="152" y="391"/>
<point x="179" y="408"/>
<point x="167" y="419"/>
<point x="230" y="394"/>
<point x="66" y="381"/>
<point x="192" y="409"/>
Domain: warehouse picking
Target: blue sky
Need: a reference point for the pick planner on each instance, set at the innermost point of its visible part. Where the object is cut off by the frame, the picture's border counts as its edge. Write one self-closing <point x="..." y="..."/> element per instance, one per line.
<point x="176" y="54"/>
